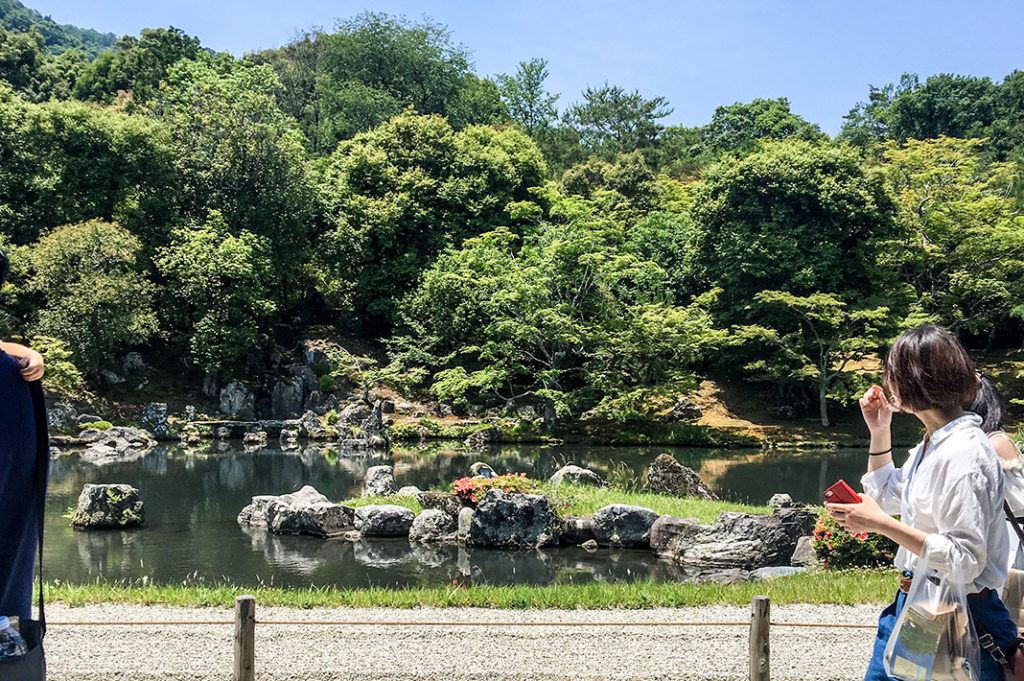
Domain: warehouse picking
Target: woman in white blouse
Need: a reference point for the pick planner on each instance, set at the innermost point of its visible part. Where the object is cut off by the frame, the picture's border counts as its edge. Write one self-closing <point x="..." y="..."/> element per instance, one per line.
<point x="989" y="406"/>
<point x="949" y="492"/>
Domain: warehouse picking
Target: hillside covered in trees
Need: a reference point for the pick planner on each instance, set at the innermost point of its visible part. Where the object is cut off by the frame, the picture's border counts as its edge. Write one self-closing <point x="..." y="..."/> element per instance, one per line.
<point x="503" y="244"/>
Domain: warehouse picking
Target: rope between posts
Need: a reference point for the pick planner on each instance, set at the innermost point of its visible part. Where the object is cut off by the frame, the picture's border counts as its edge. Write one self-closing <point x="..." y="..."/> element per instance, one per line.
<point x="821" y="625"/>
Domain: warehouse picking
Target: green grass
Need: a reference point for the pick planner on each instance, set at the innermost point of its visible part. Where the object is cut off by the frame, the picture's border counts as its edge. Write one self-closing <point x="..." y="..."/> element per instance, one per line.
<point x="584" y="500"/>
<point x="845" y="587"/>
<point x="408" y="502"/>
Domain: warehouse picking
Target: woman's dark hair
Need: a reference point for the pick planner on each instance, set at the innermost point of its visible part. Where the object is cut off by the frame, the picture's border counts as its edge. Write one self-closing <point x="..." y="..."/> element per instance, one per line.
<point x="989" y="406"/>
<point x="927" y="368"/>
<point x="5" y="267"/>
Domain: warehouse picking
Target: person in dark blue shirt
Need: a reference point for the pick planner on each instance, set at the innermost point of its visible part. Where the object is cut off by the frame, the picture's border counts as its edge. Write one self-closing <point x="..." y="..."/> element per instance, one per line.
<point x="19" y="488"/>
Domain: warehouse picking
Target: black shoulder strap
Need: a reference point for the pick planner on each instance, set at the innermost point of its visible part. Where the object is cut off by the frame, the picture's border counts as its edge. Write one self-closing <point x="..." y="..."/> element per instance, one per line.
<point x="41" y="476"/>
<point x="1013" y="521"/>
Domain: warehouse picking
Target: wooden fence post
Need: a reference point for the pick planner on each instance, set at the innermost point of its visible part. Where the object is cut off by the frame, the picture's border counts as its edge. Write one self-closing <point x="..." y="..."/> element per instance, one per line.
<point x="760" y="618"/>
<point x="245" y="638"/>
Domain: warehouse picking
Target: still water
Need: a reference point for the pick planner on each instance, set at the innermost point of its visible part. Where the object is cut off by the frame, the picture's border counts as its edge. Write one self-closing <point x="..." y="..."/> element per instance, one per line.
<point x="191" y="501"/>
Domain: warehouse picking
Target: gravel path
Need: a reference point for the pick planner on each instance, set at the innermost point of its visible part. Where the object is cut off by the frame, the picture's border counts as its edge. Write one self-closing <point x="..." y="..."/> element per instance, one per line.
<point x="504" y="652"/>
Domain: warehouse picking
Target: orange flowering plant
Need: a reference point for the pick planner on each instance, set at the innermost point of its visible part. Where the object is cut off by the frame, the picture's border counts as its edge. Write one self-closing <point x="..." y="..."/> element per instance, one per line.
<point x="472" y="490"/>
<point x="838" y="549"/>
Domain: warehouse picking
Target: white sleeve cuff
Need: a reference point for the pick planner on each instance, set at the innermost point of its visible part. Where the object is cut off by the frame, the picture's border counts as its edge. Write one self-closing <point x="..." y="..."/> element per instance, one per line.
<point x="873" y="482"/>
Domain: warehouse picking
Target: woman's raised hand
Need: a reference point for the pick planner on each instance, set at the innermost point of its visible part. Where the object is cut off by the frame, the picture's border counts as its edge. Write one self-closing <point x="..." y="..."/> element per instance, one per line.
<point x="876" y="409"/>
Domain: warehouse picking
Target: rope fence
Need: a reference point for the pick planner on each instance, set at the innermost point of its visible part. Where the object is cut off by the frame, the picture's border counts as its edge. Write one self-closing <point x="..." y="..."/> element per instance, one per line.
<point x="245" y="626"/>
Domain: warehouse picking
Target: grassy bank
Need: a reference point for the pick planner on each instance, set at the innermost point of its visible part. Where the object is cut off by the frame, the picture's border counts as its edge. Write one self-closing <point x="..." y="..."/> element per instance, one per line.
<point x="845" y="588"/>
<point x="582" y="500"/>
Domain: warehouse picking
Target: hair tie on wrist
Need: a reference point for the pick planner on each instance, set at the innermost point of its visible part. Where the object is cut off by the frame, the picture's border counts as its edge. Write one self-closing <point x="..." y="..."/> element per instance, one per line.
<point x="888" y="451"/>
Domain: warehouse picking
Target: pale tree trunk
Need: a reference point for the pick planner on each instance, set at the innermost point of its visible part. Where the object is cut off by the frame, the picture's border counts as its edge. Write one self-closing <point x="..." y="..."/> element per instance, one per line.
<point x="822" y="401"/>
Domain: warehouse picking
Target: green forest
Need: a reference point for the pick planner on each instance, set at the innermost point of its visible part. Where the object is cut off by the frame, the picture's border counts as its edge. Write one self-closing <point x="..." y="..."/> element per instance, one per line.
<point x="501" y="244"/>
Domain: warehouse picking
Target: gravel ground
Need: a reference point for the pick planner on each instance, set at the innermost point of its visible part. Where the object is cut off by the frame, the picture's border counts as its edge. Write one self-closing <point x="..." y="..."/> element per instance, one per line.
<point x="356" y="652"/>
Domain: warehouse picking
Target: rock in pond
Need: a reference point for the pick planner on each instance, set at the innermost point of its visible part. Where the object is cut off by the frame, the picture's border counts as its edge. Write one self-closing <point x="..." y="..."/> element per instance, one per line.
<point x="303" y="512"/>
<point x="574" y="475"/>
<point x="442" y="501"/>
<point x="379" y="482"/>
<point x="507" y="520"/>
<point x="666" y="530"/>
<point x="465" y="522"/>
<point x="624" y="525"/>
<point x="577" y="530"/>
<point x="385" y="520"/>
<point x="115" y="444"/>
<point x="667" y="476"/>
<point x="108" y="506"/>
<point x="744" y="540"/>
<point x="312" y="427"/>
<point x="432" y="525"/>
<point x="154" y="419"/>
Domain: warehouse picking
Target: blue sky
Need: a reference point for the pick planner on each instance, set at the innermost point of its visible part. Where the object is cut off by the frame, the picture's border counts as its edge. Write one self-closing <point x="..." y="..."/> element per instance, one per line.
<point x="821" y="54"/>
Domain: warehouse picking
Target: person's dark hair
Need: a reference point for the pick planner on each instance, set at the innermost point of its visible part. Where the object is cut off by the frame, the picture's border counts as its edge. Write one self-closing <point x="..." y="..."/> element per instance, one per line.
<point x="989" y="406"/>
<point x="926" y="368"/>
<point x="5" y="267"/>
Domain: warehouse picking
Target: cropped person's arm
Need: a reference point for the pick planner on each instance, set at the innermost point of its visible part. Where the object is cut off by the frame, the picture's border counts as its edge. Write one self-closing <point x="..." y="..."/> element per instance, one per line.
<point x="31" y="361"/>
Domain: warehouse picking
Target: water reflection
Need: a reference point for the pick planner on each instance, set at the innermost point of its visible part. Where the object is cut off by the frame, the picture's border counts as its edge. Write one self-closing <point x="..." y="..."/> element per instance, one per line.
<point x="193" y="495"/>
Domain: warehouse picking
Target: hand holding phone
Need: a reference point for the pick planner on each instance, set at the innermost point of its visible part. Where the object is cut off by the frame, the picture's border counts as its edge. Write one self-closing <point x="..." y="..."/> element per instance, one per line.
<point x="841" y="493"/>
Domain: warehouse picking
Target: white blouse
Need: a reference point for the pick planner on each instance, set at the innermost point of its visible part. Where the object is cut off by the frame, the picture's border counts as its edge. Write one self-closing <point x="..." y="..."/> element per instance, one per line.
<point x="954" y="493"/>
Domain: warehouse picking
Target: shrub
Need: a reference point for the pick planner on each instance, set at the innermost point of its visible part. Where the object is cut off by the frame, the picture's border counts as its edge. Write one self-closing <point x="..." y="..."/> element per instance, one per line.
<point x="101" y="425"/>
<point x="472" y="490"/>
<point x="327" y="383"/>
<point x="839" y="549"/>
<point x="331" y="417"/>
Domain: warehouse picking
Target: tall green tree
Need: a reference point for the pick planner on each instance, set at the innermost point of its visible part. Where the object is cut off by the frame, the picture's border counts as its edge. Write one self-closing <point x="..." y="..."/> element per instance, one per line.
<point x="96" y="301"/>
<point x="32" y="71"/>
<point x="220" y="285"/>
<point x="738" y="127"/>
<point x="529" y="104"/>
<point x="403" y="192"/>
<point x="816" y="339"/>
<point x="963" y="249"/>
<point x="236" y="152"/>
<point x="136" y="66"/>
<point x="796" y="217"/>
<point x="611" y="120"/>
<point x="69" y="162"/>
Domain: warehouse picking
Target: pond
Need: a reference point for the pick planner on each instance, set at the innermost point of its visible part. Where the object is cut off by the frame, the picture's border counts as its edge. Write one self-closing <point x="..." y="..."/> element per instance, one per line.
<point x="192" y="499"/>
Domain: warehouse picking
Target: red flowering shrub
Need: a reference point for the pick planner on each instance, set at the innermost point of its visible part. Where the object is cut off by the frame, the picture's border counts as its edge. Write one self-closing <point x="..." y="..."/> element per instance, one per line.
<point x="472" y="490"/>
<point x="839" y="549"/>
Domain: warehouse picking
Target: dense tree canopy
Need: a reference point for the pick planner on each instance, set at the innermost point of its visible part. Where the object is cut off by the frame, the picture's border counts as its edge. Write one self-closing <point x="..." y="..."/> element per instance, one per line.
<point x="366" y="179"/>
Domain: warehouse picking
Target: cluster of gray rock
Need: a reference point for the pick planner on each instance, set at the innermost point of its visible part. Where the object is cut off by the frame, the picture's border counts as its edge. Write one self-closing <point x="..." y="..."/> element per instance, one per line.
<point x="736" y="547"/>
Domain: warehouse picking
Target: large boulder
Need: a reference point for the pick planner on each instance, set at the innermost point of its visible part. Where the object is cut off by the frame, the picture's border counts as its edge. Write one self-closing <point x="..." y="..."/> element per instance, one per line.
<point x="432" y="525"/>
<point x="354" y="414"/>
<point x="442" y="501"/>
<point x="108" y="507"/>
<point x="577" y="530"/>
<point x="666" y="530"/>
<point x="61" y="415"/>
<point x="483" y="439"/>
<point x="286" y="399"/>
<point x="379" y="482"/>
<point x="384" y="520"/>
<point x="574" y="475"/>
<point x="312" y="427"/>
<point x="667" y="476"/>
<point x="624" y="525"/>
<point x="237" y="401"/>
<point x="683" y="410"/>
<point x="744" y="540"/>
<point x="154" y="419"/>
<point x="320" y="403"/>
<point x="303" y="512"/>
<point x="509" y="520"/>
<point x="115" y="444"/>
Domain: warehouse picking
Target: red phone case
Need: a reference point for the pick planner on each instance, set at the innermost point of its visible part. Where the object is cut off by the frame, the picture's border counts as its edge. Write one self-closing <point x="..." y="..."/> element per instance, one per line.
<point x="841" y="493"/>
